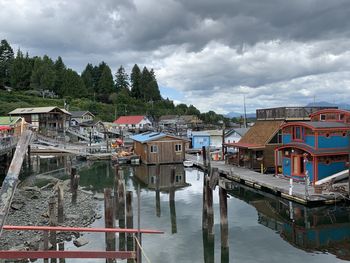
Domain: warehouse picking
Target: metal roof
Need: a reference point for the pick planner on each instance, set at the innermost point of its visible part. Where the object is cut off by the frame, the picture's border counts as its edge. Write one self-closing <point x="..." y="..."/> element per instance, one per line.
<point x="327" y="124"/>
<point x="313" y="151"/>
<point x="79" y="114"/>
<point x="207" y="133"/>
<point x="240" y="131"/>
<point x="20" y="111"/>
<point x="147" y="136"/>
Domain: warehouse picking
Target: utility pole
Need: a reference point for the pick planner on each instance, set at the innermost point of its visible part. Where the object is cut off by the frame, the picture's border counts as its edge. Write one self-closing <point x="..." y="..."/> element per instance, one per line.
<point x="245" y="113"/>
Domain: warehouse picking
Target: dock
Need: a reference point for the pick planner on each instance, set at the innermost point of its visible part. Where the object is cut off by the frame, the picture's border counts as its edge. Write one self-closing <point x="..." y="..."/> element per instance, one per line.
<point x="277" y="185"/>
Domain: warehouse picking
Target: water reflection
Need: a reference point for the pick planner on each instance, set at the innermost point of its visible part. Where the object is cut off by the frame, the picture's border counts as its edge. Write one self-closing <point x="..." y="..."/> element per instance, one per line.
<point x="324" y="229"/>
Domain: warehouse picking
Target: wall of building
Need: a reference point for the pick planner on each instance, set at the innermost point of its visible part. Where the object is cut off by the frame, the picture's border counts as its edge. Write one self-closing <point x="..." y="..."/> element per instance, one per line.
<point x="333" y="141"/>
<point x="198" y="141"/>
<point x="325" y="170"/>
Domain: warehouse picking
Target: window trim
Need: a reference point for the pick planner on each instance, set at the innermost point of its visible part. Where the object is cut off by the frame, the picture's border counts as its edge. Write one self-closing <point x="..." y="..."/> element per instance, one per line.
<point x="178" y="145"/>
<point x="154" y="148"/>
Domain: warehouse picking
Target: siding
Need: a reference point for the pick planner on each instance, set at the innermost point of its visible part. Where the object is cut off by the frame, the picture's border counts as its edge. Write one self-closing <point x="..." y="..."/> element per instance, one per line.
<point x="333" y="141"/>
<point x="325" y="170"/>
<point x="199" y="141"/>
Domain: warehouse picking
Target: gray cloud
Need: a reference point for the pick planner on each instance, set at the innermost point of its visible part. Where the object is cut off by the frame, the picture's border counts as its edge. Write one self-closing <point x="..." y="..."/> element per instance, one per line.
<point x="214" y="52"/>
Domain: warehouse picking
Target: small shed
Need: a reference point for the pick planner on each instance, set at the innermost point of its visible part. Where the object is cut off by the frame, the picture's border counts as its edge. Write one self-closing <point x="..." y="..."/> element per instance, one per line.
<point x="157" y="147"/>
<point x="208" y="138"/>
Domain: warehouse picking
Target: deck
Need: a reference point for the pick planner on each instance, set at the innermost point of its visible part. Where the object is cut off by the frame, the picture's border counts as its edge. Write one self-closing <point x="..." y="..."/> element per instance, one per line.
<point x="270" y="183"/>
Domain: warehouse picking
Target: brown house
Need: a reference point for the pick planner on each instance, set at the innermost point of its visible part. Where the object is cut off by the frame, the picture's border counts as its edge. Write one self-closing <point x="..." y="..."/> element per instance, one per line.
<point x="256" y="148"/>
<point x="157" y="147"/>
<point x="46" y="120"/>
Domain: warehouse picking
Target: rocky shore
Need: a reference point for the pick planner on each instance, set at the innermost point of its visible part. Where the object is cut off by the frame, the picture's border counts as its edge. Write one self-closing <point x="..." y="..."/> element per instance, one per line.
<point x="30" y="207"/>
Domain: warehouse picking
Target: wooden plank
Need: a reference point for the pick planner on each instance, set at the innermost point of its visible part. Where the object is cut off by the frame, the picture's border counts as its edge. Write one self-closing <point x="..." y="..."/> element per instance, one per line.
<point x="11" y="180"/>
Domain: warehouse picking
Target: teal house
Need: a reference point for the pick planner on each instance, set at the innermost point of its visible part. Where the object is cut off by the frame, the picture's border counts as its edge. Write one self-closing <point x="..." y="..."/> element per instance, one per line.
<point x="318" y="148"/>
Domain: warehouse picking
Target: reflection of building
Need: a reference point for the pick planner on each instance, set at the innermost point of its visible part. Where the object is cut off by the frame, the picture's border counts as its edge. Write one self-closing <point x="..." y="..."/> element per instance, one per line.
<point x="148" y="175"/>
<point x="157" y="147"/>
<point x="310" y="229"/>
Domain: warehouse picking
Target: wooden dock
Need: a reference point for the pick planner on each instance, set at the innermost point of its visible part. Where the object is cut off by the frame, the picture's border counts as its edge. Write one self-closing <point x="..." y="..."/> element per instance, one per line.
<point x="270" y="183"/>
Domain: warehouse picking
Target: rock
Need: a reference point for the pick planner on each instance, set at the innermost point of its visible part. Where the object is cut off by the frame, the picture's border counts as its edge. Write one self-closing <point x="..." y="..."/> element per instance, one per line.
<point x="99" y="196"/>
<point x="31" y="189"/>
<point x="98" y="216"/>
<point x="17" y="205"/>
<point x="21" y="247"/>
<point x="79" y="242"/>
<point x="48" y="186"/>
<point x="72" y="217"/>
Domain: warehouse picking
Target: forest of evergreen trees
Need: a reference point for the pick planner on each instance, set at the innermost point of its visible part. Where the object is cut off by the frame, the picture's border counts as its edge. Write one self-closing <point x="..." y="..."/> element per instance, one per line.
<point x="97" y="83"/>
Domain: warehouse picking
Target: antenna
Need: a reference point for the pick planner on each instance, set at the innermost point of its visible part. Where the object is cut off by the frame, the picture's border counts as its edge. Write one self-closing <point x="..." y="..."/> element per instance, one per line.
<point x="245" y="113"/>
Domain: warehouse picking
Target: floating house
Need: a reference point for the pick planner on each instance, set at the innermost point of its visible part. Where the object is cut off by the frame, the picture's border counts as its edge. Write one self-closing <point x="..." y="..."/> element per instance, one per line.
<point x="157" y="147"/>
<point x="318" y="148"/>
<point x="133" y="123"/>
<point x="47" y="120"/>
<point x="256" y="149"/>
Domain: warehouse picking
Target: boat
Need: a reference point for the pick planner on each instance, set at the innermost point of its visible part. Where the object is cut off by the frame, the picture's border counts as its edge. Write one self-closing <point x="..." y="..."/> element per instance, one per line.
<point x="188" y="163"/>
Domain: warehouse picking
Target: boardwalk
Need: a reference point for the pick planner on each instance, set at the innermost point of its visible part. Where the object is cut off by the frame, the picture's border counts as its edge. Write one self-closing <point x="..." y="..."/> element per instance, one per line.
<point x="268" y="183"/>
<point x="7" y="144"/>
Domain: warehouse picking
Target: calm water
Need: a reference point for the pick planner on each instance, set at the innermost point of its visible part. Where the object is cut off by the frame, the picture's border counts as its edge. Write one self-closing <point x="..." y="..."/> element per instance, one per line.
<point x="261" y="228"/>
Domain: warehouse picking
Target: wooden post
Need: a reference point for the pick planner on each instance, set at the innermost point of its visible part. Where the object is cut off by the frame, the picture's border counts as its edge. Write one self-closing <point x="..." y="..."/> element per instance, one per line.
<point x="121" y="197"/>
<point x="46" y="243"/>
<point x="204" y="153"/>
<point x="116" y="198"/>
<point x="60" y="202"/>
<point x="73" y="172"/>
<point x="204" y="210"/>
<point x="75" y="183"/>
<point x="223" y="141"/>
<point x="109" y="220"/>
<point x="223" y="218"/>
<point x="52" y="222"/>
<point x="138" y="250"/>
<point x="129" y="220"/>
<point x="10" y="182"/>
<point x="172" y="202"/>
<point x="61" y="248"/>
<point x="158" y="211"/>
<point x="210" y="211"/>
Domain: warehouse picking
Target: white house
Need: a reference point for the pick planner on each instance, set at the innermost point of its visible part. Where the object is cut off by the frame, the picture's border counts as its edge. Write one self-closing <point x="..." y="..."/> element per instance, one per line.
<point x="133" y="122"/>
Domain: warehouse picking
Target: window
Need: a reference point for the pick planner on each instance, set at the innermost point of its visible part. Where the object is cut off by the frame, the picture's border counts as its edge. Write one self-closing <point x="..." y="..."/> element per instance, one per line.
<point x="178" y="147"/>
<point x="298" y="133"/>
<point x="35" y="117"/>
<point x="154" y="149"/>
<point x="322" y="117"/>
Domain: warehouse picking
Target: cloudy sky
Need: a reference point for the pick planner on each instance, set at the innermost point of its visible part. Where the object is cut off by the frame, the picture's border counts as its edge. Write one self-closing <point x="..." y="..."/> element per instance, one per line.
<point x="207" y="53"/>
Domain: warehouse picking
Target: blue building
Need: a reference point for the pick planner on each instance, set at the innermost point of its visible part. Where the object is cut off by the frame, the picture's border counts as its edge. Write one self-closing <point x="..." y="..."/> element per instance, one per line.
<point x="318" y="147"/>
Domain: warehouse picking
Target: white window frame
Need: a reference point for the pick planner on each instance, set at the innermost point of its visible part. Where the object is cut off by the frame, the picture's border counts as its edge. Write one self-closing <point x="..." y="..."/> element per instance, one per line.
<point x="154" y="148"/>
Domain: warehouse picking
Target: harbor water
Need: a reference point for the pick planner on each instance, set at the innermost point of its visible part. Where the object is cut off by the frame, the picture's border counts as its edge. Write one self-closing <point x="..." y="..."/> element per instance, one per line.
<point x="262" y="228"/>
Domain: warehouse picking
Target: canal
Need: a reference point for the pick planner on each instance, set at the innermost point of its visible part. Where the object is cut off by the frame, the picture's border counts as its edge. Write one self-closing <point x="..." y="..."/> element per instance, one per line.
<point x="262" y="228"/>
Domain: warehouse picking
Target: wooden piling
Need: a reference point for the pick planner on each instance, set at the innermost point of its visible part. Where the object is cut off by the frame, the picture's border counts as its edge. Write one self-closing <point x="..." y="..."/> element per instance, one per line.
<point x="75" y="186"/>
<point x="210" y="211"/>
<point x="52" y="222"/>
<point x="73" y="172"/>
<point x="172" y="202"/>
<point x="121" y="197"/>
<point x="223" y="218"/>
<point x="60" y="202"/>
<point x="204" y="154"/>
<point x="46" y="243"/>
<point x="158" y="210"/>
<point x="109" y="219"/>
<point x="10" y="182"/>
<point x="61" y="248"/>
<point x="116" y="186"/>
<point x="204" y="210"/>
<point x="129" y="220"/>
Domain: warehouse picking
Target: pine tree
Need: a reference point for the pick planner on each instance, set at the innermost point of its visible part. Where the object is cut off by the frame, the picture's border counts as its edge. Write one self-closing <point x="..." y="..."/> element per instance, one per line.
<point x="73" y="85"/>
<point x="6" y="59"/>
<point x="18" y="71"/>
<point x="88" y="78"/>
<point x="135" y="78"/>
<point x="43" y="75"/>
<point x="60" y="70"/>
<point x="105" y="83"/>
<point x="121" y="80"/>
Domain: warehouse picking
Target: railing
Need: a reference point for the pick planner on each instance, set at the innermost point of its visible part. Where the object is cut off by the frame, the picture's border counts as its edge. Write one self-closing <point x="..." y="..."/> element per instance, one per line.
<point x="8" y="143"/>
<point x="4" y="254"/>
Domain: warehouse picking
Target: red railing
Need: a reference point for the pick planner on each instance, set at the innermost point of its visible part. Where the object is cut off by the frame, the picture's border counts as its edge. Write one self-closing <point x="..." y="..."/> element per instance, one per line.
<point x="4" y="254"/>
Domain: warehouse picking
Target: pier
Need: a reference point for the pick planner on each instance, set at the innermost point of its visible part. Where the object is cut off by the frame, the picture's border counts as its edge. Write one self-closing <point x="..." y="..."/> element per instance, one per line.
<point x="277" y="185"/>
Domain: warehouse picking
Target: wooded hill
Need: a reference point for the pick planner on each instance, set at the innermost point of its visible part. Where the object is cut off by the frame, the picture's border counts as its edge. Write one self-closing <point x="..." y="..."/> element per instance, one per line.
<point x="41" y="81"/>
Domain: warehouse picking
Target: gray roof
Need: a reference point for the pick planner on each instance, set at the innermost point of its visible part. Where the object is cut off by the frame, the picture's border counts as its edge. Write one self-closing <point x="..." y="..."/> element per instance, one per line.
<point x="79" y="114"/>
<point x="240" y="131"/>
<point x="34" y="110"/>
<point x="326" y="124"/>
